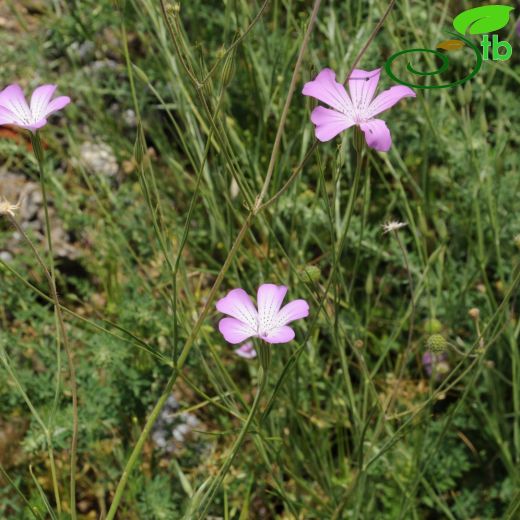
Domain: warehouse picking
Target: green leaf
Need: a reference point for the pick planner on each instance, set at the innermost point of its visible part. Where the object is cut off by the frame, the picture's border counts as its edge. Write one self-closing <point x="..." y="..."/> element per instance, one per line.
<point x="481" y="20"/>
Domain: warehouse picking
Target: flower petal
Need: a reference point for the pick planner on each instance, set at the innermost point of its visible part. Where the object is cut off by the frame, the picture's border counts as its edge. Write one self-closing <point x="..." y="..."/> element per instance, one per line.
<point x="388" y="98"/>
<point x="7" y="117"/>
<point x="35" y="126"/>
<point x="13" y="99"/>
<point x="377" y="135"/>
<point x="325" y="88"/>
<point x="269" y="299"/>
<point x="40" y="98"/>
<point x="329" y="123"/>
<point x="246" y="351"/>
<point x="235" y="331"/>
<point x="279" y="335"/>
<point x="57" y="104"/>
<point x="362" y="85"/>
<point x="238" y="304"/>
<point x="294" y="310"/>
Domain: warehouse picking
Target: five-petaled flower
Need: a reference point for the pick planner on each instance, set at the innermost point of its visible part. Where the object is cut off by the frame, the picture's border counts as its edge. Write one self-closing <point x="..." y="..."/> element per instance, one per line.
<point x="14" y="109"/>
<point x="360" y="108"/>
<point x="268" y="323"/>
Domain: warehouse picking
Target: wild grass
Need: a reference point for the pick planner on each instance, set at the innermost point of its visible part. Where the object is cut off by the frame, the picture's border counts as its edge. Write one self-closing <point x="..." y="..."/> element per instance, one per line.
<point x="221" y="184"/>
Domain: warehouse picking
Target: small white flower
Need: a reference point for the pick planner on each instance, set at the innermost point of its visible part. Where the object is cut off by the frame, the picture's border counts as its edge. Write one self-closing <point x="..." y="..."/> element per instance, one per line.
<point x="393" y="225"/>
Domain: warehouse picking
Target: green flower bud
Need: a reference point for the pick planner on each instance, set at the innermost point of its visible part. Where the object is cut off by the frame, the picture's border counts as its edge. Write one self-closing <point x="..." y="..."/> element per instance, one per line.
<point x="432" y="326"/>
<point x="436" y="343"/>
<point x="310" y="273"/>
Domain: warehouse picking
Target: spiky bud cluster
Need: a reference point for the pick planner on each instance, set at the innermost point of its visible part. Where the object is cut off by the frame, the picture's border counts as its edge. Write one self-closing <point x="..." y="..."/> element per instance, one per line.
<point x="436" y="343"/>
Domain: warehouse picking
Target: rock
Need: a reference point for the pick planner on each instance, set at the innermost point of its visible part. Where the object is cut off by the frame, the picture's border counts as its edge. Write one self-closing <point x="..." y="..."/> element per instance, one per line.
<point x="98" y="158"/>
<point x="16" y="188"/>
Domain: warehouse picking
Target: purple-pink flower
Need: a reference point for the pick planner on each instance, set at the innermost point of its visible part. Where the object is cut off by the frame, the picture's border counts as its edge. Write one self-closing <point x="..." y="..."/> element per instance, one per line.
<point x="437" y="362"/>
<point x="360" y="108"/>
<point x="268" y="322"/>
<point x="14" y="109"/>
<point x="247" y="350"/>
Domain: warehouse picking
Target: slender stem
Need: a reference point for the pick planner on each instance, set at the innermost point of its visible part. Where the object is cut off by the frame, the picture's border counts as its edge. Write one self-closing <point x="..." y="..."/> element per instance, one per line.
<point x="216" y="285"/>
<point x="402" y="361"/>
<point x="39" y="420"/>
<point x="215" y="485"/>
<point x="285" y="112"/>
<point x="51" y="279"/>
<point x="34" y="511"/>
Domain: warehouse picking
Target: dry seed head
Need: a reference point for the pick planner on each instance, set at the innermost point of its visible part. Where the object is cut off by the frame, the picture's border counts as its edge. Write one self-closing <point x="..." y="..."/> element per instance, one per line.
<point x="392" y="225"/>
<point x="474" y="313"/>
<point x="6" y="208"/>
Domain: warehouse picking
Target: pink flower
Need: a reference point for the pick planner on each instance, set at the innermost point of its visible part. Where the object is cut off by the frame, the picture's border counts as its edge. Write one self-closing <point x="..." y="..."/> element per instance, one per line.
<point x="246" y="351"/>
<point x="357" y="109"/>
<point x="269" y="322"/>
<point x="14" y="109"/>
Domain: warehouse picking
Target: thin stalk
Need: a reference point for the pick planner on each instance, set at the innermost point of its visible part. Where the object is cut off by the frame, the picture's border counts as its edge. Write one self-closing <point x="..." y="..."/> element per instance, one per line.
<point x="215" y="485"/>
<point x="51" y="279"/>
<point x="234" y="249"/>
<point x="39" y="420"/>
<point x="34" y="511"/>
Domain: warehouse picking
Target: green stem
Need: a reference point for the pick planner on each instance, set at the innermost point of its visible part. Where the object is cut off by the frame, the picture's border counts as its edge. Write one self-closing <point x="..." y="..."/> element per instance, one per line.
<point x="139" y="446"/>
<point x="51" y="279"/>
<point x="39" y="420"/>
<point x="231" y="255"/>
<point x="209" y="495"/>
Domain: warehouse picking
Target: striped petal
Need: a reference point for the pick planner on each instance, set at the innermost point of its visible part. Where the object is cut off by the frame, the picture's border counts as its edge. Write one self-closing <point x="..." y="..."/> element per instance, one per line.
<point x="12" y="98"/>
<point x="40" y="99"/>
<point x="325" y="88"/>
<point x="235" y="331"/>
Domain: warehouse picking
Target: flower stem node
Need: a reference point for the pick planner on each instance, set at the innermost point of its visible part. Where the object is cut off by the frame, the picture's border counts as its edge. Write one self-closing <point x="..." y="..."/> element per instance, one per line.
<point x="436" y="343"/>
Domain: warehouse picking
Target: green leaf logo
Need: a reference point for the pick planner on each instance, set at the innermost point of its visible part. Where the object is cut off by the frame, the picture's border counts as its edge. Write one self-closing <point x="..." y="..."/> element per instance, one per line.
<point x="481" y="20"/>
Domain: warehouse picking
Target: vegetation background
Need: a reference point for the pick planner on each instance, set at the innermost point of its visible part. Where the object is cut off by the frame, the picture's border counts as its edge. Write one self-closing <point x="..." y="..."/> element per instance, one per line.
<point x="145" y="168"/>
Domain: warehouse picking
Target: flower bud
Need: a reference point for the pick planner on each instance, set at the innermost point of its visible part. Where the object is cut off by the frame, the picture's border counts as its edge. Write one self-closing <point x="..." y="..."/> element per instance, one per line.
<point x="140" y="145"/>
<point x="228" y="71"/>
<point x="310" y="273"/>
<point x="173" y="9"/>
<point x="436" y="343"/>
<point x="432" y="326"/>
<point x="474" y="313"/>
